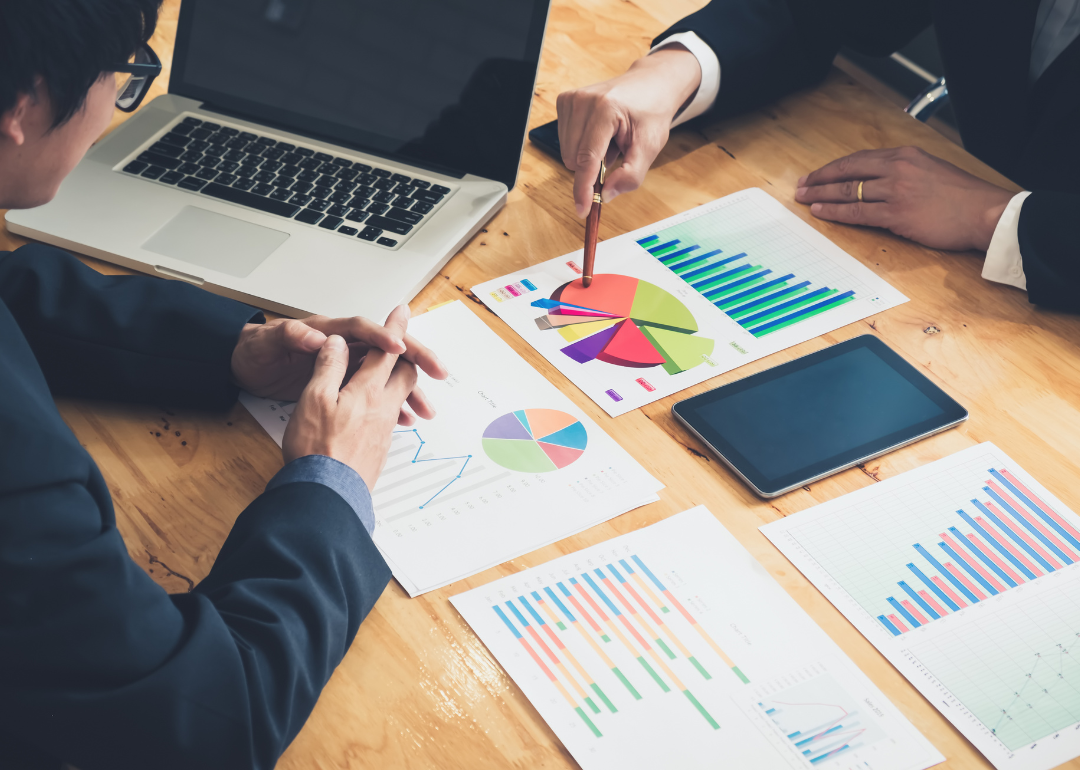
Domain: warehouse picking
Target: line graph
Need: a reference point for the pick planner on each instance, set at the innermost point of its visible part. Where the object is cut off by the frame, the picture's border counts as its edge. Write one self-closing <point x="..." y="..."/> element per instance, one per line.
<point x="417" y="459"/>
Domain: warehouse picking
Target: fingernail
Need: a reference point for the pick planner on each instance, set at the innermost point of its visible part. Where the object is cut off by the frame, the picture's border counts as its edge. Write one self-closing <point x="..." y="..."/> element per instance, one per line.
<point x="815" y="208"/>
<point x="314" y="339"/>
<point x="609" y="195"/>
<point x="800" y="192"/>
<point x="334" y="342"/>
<point x="802" y="180"/>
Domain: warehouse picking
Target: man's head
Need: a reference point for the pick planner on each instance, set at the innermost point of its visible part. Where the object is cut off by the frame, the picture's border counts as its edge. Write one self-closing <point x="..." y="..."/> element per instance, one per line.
<point x="57" y="90"/>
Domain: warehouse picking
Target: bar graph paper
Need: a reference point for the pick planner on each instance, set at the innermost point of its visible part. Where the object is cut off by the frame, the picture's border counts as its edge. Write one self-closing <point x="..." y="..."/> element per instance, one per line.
<point x="658" y="649"/>
<point x="965" y="574"/>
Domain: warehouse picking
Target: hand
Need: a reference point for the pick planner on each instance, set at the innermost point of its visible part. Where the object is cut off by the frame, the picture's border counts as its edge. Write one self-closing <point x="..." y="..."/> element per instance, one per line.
<point x="910" y="193"/>
<point x="276" y="359"/>
<point x="352" y="419"/>
<point x="635" y="111"/>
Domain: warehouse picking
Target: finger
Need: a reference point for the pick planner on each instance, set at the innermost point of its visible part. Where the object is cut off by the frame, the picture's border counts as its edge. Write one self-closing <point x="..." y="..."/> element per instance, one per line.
<point x="843" y="192"/>
<point x="397" y="323"/>
<point x="330" y="366"/>
<point x="401" y="382"/>
<point x="869" y="214"/>
<point x="593" y="147"/>
<point x="405" y="418"/>
<point x="296" y="336"/>
<point x="425" y="358"/>
<point x="358" y="330"/>
<point x="638" y="157"/>
<point x="420" y="404"/>
<point x="865" y="164"/>
<point x="378" y="364"/>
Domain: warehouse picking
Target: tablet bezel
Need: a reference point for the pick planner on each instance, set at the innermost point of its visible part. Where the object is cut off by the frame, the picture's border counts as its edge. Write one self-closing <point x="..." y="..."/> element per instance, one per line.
<point x="686" y="412"/>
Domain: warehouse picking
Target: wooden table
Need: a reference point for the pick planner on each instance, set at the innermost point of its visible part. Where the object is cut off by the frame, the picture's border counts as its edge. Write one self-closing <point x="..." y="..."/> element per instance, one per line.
<point x="418" y="689"/>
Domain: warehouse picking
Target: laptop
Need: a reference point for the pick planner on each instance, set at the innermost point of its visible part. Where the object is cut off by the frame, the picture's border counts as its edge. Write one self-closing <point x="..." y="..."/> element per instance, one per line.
<point x="311" y="156"/>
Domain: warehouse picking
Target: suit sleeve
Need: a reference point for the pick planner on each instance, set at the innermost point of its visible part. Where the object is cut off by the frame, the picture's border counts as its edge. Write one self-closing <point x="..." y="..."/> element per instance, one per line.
<point x="768" y="48"/>
<point x="123" y="338"/>
<point x="1048" y="234"/>
<point x="113" y="673"/>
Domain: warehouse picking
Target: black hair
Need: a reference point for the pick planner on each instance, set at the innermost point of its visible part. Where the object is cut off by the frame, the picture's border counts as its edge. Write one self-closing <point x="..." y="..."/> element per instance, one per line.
<point x="70" y="44"/>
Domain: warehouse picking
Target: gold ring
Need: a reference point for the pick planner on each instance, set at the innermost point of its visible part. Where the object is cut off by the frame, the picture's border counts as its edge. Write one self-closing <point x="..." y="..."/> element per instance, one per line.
<point x="860" y="190"/>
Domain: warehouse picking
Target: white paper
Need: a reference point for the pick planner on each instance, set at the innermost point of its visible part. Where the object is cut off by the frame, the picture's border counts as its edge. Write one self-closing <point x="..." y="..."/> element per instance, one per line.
<point x="774" y="263"/>
<point x="747" y="667"/>
<point x="444" y="508"/>
<point x="1002" y="659"/>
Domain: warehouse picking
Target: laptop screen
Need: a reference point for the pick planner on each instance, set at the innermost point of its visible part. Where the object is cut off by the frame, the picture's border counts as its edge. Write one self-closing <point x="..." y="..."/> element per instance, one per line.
<point x="439" y="83"/>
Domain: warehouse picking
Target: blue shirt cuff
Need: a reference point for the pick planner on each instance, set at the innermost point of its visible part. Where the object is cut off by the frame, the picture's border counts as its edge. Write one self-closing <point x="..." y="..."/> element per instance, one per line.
<point x="327" y="471"/>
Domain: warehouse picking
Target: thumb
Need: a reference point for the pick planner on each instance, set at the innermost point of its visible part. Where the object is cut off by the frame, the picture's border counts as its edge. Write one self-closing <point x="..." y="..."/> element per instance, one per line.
<point x="297" y="337"/>
<point x="636" y="162"/>
<point x="330" y="367"/>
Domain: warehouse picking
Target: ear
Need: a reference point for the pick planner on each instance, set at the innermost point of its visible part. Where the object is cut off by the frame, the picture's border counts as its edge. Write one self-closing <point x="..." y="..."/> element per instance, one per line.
<point x="12" y="122"/>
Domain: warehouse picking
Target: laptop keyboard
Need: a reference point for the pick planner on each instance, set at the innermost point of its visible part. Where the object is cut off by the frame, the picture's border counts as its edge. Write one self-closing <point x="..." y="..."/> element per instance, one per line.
<point x="316" y="188"/>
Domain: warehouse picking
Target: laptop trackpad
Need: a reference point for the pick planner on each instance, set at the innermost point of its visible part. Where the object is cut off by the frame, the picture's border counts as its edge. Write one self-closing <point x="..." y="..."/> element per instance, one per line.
<point x="212" y="240"/>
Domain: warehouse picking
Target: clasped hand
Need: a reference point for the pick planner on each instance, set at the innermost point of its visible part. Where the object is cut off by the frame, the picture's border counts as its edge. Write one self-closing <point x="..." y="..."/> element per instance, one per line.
<point x="351" y="378"/>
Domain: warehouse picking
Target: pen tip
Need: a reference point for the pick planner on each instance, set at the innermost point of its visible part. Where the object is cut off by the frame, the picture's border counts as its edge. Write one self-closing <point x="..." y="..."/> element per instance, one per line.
<point x="586" y="280"/>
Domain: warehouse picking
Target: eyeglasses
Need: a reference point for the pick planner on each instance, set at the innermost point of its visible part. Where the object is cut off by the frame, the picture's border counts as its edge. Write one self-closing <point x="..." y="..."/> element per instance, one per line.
<point x="133" y="78"/>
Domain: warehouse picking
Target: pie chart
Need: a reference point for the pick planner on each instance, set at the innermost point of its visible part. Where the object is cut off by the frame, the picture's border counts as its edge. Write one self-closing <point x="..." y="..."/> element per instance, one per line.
<point x="535" y="440"/>
<point x="626" y="322"/>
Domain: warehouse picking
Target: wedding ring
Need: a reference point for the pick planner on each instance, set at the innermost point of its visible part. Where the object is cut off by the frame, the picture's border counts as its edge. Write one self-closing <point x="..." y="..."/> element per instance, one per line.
<point x="860" y="190"/>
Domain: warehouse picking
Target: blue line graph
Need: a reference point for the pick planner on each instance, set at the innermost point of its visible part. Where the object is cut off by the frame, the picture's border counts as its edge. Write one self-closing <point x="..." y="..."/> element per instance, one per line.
<point x="416" y="459"/>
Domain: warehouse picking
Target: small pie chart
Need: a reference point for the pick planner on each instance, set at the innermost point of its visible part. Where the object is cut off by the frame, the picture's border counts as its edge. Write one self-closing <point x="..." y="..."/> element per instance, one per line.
<point x="535" y="440"/>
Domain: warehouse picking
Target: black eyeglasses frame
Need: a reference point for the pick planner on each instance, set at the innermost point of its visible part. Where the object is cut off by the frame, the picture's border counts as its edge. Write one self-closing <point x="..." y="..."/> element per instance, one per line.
<point x="148" y="71"/>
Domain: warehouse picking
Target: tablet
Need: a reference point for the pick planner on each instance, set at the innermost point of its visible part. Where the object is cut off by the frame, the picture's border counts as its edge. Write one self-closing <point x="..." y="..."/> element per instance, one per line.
<point x="818" y="415"/>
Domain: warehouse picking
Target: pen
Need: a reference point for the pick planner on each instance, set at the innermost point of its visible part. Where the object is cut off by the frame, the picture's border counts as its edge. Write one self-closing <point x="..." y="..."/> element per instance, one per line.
<point x="592" y="227"/>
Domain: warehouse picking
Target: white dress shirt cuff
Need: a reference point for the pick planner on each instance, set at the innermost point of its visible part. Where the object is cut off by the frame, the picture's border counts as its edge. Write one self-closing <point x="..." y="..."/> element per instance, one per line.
<point x="1004" y="263"/>
<point x="707" y="92"/>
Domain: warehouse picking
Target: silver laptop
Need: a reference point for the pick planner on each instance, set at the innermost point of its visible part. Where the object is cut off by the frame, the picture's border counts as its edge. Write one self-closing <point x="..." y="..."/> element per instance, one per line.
<point x="311" y="156"/>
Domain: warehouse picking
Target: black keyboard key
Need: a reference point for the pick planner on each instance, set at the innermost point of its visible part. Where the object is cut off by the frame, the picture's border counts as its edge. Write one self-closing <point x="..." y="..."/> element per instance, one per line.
<point x="175" y="139"/>
<point x="404" y="190"/>
<point x="285" y="146"/>
<point x="307" y="176"/>
<point x="209" y="161"/>
<point x="370" y="233"/>
<point x="290" y="157"/>
<point x="331" y="222"/>
<point x="348" y="174"/>
<point x="272" y="165"/>
<point x="171" y="177"/>
<point x="341" y="162"/>
<point x="303" y="187"/>
<point x="182" y="129"/>
<point x="337" y="211"/>
<point x="382" y="172"/>
<point x="327" y="181"/>
<point x="228" y="166"/>
<point x="248" y="136"/>
<point x="403" y="202"/>
<point x="389" y="224"/>
<point x="322" y="193"/>
<point x="251" y="200"/>
<point x="318" y="205"/>
<point x="206" y="173"/>
<point x="189" y="168"/>
<point x="367" y="192"/>
<point x="367" y="179"/>
<point x="234" y="155"/>
<point x="309" y="216"/>
<point x="275" y="153"/>
<point x="229" y="131"/>
<point x="281" y="194"/>
<point x="198" y="146"/>
<point x="247" y="172"/>
<point x="244" y="184"/>
<point x="387" y="242"/>
<point x="218" y="140"/>
<point x="384" y="184"/>
<point x="171" y="150"/>
<point x="288" y="170"/>
<point x="135" y="166"/>
<point x="324" y="157"/>
<point x="427" y="196"/>
<point x="409" y="217"/>
<point x="160" y="160"/>
<point x="301" y="199"/>
<point x="191" y="156"/>
<point x="346" y="187"/>
<point x="211" y="126"/>
<point x="377" y="208"/>
<point x="346" y="230"/>
<point x="226" y="178"/>
<point x="341" y="197"/>
<point x="356" y="216"/>
<point x="283" y="182"/>
<point x="304" y="151"/>
<point x="265" y="176"/>
<point x="309" y="163"/>
<point x="438" y="188"/>
<point x="201" y="133"/>
<point x="191" y="183"/>
<point x="265" y="140"/>
<point x="358" y="201"/>
<point x="217" y="150"/>
<point x="237" y="144"/>
<point x="362" y="167"/>
<point x="421" y="183"/>
<point x="401" y="179"/>
<point x="192" y="121"/>
<point x="422" y="207"/>
<point x="263" y="189"/>
<point x="385" y="197"/>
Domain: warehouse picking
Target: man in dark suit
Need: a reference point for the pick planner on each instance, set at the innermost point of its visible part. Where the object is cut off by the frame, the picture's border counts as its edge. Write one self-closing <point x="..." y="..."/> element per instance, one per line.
<point x="99" y="667"/>
<point x="1013" y="71"/>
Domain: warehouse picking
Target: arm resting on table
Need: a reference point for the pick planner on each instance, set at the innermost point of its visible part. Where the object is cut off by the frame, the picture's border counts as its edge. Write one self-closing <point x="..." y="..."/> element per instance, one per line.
<point x="1048" y="233"/>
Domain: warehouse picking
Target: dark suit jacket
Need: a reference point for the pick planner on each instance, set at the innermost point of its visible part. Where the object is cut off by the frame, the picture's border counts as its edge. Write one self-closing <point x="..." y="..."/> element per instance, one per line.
<point x="1029" y="133"/>
<point x="100" y="667"/>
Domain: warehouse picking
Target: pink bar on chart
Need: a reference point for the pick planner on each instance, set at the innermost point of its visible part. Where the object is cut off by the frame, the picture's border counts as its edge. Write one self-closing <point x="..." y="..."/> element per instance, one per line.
<point x="941" y="584"/>
<point x="898" y="623"/>
<point x="911" y="608"/>
<point x="1045" y="508"/>
<point x="1004" y="540"/>
<point x="994" y="558"/>
<point x="930" y="600"/>
<point x="1022" y="533"/>
<point x="1029" y="516"/>
<point x="963" y="579"/>
<point x="973" y="560"/>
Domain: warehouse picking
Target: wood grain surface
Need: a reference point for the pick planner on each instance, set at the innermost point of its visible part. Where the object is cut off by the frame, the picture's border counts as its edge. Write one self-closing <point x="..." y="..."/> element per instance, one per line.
<point x="418" y="689"/>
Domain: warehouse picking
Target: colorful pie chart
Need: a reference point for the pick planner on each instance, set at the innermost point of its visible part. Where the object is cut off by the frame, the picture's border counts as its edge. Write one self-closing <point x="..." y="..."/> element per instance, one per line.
<point x="624" y="321"/>
<point x="535" y="440"/>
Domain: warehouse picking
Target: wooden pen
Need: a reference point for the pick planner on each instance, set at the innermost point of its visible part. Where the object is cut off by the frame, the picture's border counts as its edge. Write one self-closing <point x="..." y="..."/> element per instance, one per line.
<point x="592" y="227"/>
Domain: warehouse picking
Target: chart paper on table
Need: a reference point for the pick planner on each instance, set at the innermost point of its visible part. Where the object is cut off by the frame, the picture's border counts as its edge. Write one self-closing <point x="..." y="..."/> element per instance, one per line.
<point x="671" y="647"/>
<point x="686" y="299"/>
<point x="507" y="466"/>
<point x="964" y="574"/>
